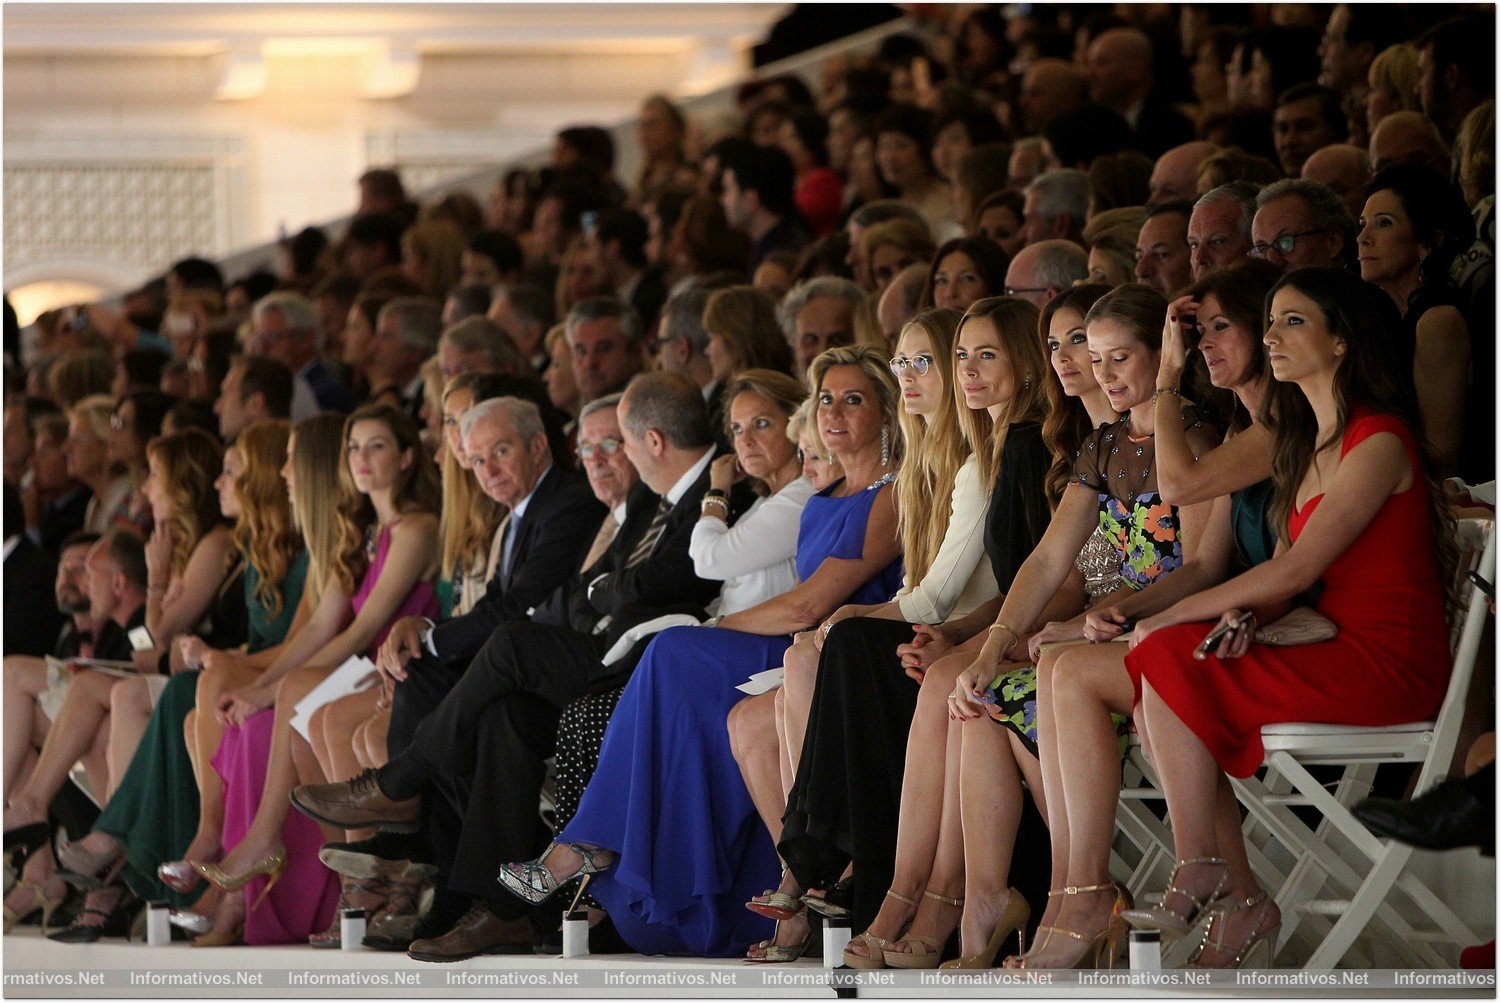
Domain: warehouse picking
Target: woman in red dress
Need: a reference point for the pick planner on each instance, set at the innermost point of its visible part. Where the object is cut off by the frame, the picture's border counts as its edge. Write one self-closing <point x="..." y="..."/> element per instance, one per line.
<point x="1351" y="481"/>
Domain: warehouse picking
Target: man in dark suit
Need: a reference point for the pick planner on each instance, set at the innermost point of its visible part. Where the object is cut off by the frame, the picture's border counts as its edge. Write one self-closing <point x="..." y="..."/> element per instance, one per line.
<point x="683" y="348"/>
<point x="1120" y="75"/>
<point x="494" y="731"/>
<point x="552" y="517"/>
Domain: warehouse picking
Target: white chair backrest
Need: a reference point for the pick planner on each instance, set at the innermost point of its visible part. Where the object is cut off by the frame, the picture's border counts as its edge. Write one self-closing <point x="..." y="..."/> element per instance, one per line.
<point x="1476" y="543"/>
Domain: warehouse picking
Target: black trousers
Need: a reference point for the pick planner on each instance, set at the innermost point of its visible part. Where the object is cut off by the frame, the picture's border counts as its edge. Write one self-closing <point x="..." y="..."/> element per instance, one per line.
<point x="482" y="751"/>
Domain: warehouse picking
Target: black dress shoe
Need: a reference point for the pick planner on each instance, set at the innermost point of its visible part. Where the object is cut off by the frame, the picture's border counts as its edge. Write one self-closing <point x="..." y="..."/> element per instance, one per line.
<point x="1445" y="818"/>
<point x="25" y="840"/>
<point x="116" y="922"/>
<point x="478" y="931"/>
<point x="384" y="855"/>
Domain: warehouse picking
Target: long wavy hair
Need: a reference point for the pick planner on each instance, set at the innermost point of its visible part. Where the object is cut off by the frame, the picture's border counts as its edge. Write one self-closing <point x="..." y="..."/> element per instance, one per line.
<point x="416" y="490"/>
<point x="1015" y="322"/>
<point x="935" y="449"/>
<point x="1373" y="374"/>
<point x="188" y="463"/>
<point x="469" y="517"/>
<point x="266" y="531"/>
<point x="318" y="492"/>
<point x="1067" y="423"/>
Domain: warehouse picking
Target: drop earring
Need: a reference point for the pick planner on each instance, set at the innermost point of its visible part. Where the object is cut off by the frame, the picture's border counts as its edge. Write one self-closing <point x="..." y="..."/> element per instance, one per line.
<point x="885" y="445"/>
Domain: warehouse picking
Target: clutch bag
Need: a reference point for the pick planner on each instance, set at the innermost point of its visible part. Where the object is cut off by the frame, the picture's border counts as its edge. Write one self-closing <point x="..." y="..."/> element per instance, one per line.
<point x="1303" y="625"/>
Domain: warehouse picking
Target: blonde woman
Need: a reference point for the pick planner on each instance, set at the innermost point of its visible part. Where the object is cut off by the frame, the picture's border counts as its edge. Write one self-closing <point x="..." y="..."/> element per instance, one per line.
<point x="893" y="246"/>
<point x="562" y="389"/>
<point x="1393" y="84"/>
<point x="1110" y="237"/>
<point x="685" y="683"/>
<point x="86" y="452"/>
<point x="469" y="517"/>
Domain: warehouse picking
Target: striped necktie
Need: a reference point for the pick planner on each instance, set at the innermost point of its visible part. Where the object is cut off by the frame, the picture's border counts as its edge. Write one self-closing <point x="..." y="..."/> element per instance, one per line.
<point x="653" y="534"/>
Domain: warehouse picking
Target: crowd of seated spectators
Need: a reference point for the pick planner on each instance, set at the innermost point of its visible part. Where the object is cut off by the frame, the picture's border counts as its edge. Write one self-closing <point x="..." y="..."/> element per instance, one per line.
<point x="428" y="573"/>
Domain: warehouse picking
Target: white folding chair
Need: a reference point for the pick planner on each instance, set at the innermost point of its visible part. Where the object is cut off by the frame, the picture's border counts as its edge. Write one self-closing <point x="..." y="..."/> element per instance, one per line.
<point x="1359" y="872"/>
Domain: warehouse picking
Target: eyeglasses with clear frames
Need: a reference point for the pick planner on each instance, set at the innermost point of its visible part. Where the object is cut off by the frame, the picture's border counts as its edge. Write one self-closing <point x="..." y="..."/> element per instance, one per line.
<point x="919" y="364"/>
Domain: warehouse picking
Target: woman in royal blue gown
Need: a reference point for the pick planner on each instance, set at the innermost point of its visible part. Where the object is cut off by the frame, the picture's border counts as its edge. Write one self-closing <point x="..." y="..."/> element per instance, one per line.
<point x="667" y="823"/>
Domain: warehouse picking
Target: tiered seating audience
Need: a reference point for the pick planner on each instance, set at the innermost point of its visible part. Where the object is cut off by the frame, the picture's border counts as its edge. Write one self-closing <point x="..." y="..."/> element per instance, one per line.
<point x="909" y="390"/>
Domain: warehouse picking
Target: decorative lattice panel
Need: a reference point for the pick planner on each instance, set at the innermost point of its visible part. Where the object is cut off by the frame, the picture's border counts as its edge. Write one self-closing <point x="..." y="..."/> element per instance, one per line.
<point x="132" y="214"/>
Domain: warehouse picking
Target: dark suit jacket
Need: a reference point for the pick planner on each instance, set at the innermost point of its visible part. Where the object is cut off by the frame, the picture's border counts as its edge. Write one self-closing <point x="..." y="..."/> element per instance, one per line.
<point x="32" y="619"/>
<point x="663" y="583"/>
<point x="331" y="392"/>
<point x="560" y="522"/>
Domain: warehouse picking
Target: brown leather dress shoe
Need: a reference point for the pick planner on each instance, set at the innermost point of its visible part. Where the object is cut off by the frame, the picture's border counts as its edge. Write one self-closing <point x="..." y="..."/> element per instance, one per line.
<point x="356" y="804"/>
<point x="477" y="932"/>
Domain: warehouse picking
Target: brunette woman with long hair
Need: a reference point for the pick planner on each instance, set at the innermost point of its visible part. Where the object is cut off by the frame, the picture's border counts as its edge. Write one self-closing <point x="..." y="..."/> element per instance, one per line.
<point x="1351" y="475"/>
<point x="158" y="814"/>
<point x="385" y="527"/>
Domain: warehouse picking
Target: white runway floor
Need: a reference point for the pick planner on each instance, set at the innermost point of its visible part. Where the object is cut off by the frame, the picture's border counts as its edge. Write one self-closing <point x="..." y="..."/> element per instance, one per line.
<point x="103" y="970"/>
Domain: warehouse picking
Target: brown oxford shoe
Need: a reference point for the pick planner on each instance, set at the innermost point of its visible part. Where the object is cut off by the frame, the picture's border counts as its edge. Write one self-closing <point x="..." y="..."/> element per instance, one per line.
<point x="357" y="804"/>
<point x="478" y="931"/>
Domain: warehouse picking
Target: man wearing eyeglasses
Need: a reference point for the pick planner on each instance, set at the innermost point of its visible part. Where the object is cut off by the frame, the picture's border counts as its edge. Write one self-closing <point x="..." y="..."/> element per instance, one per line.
<point x="1300" y="224"/>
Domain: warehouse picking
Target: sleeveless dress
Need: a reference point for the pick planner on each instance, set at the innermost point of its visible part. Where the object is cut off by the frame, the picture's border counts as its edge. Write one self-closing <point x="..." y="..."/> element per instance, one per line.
<point x="1388" y="665"/>
<point x="1139" y="526"/>
<point x="303" y="901"/>
<point x="154" y="811"/>
<point x="667" y="796"/>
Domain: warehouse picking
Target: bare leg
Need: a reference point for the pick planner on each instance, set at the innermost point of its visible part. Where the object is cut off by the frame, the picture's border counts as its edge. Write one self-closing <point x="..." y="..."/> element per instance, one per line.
<point x="991" y="795"/>
<point x="1087" y="684"/>
<point x="332" y="731"/>
<point x="931" y="749"/>
<point x="1049" y="795"/>
<point x="25" y="681"/>
<point x="752" y="739"/>
<point x="264" y="835"/>
<point x="129" y="711"/>
<point x="83" y="715"/>
<point x="369" y="741"/>
<point x="798" y="685"/>
<point x="96" y="763"/>
<point x="1190" y="779"/>
<point x="203" y="733"/>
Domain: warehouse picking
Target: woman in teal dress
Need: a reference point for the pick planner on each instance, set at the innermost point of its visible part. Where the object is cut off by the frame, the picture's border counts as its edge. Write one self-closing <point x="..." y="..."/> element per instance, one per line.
<point x="154" y="814"/>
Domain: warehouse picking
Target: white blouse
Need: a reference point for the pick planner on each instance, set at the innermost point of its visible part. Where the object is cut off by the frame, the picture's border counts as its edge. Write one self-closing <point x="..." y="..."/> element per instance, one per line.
<point x="960" y="578"/>
<point x="756" y="557"/>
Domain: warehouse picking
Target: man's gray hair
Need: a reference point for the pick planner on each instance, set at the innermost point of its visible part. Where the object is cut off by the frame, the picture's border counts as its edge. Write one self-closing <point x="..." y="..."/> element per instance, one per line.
<point x="530" y="303"/>
<point x="673" y="405"/>
<point x="297" y="310"/>
<point x="1062" y="190"/>
<point x="600" y="307"/>
<point x="682" y="317"/>
<point x="1328" y="210"/>
<point x="883" y="211"/>
<point x="480" y="334"/>
<point x="611" y="401"/>
<point x="1242" y="192"/>
<point x="526" y="416"/>
<point x="1060" y="263"/>
<point x="803" y="293"/>
<point x="419" y="322"/>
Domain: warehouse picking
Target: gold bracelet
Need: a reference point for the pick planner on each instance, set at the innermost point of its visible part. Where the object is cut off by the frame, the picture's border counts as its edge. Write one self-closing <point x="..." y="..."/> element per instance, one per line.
<point x="1166" y="390"/>
<point x="1014" y="637"/>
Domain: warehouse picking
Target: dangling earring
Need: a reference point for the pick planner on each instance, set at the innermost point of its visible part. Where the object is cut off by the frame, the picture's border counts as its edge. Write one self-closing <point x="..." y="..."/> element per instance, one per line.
<point x="885" y="445"/>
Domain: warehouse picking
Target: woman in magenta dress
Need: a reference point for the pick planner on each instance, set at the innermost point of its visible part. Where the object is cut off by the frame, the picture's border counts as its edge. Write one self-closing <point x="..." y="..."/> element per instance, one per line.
<point x="1358" y="518"/>
<point x="381" y="569"/>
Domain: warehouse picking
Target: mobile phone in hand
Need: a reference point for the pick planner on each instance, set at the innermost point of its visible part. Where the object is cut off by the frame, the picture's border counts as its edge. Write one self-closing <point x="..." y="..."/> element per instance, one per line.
<point x="1219" y="633"/>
